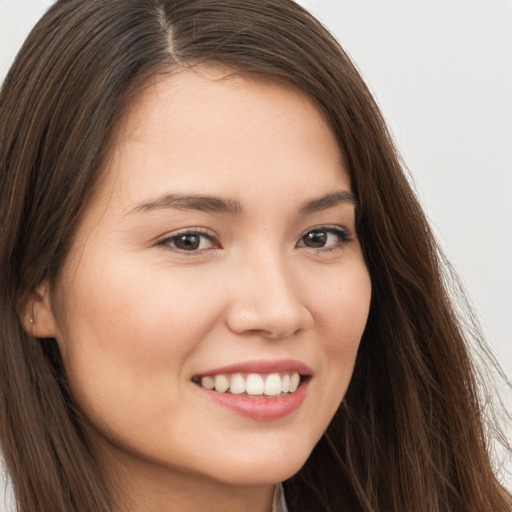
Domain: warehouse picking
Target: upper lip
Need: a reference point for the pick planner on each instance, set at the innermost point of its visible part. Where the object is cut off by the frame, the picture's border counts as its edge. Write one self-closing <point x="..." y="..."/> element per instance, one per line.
<point x="262" y="366"/>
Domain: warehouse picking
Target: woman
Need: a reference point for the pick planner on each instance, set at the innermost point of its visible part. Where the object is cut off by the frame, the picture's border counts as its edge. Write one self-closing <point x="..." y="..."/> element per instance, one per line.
<point x="204" y="222"/>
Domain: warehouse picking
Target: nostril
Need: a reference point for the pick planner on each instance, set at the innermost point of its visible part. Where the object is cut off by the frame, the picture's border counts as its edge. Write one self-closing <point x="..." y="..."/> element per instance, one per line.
<point x="276" y="336"/>
<point x="268" y="322"/>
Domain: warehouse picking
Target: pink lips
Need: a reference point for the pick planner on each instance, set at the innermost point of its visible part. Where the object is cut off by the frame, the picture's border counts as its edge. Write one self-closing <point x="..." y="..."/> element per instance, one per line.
<point x="259" y="408"/>
<point x="264" y="366"/>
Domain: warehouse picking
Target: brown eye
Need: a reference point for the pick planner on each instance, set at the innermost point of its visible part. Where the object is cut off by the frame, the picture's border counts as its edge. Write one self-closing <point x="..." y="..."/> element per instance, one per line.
<point x="324" y="238"/>
<point x="188" y="241"/>
<point x="316" y="239"/>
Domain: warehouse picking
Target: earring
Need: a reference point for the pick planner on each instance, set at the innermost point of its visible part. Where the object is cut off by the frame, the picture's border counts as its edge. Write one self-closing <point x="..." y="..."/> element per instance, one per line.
<point x="31" y="321"/>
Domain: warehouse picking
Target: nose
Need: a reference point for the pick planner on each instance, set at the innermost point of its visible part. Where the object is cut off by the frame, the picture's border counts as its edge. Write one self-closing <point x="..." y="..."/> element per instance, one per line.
<point x="267" y="299"/>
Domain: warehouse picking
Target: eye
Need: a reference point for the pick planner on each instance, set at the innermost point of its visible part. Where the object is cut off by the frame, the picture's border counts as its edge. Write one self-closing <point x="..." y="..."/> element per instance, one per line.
<point x="324" y="237"/>
<point x="189" y="240"/>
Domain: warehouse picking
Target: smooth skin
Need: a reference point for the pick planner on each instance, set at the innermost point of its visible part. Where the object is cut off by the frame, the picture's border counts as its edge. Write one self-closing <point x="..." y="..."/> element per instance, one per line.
<point x="156" y="291"/>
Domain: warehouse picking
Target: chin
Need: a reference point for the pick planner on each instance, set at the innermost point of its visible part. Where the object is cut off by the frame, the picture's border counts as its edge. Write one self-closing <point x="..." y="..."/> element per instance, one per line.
<point x="264" y="469"/>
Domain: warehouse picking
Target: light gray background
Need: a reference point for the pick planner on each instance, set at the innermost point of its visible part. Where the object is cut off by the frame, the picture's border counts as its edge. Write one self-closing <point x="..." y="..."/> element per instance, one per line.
<point x="441" y="70"/>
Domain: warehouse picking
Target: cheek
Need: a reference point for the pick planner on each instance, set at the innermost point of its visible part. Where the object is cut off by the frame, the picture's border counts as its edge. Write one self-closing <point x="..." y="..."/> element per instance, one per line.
<point x="142" y="311"/>
<point x="342" y="314"/>
<point x="128" y="330"/>
<point x="342" y="306"/>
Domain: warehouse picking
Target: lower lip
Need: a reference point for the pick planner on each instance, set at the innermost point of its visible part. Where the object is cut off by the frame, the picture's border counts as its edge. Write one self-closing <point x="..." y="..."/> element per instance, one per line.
<point x="262" y="409"/>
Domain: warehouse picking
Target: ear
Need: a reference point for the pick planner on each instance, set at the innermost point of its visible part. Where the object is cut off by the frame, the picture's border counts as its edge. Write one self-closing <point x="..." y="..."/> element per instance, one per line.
<point x="37" y="316"/>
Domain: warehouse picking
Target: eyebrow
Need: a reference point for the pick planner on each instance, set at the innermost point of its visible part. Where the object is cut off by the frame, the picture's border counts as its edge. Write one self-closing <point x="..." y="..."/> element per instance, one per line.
<point x="213" y="204"/>
<point x="210" y="204"/>
<point x="329" y="201"/>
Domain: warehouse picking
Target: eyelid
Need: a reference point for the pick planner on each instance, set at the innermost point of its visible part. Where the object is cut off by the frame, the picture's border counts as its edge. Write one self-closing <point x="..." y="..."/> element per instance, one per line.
<point x="344" y="234"/>
<point x="183" y="231"/>
<point x="163" y="241"/>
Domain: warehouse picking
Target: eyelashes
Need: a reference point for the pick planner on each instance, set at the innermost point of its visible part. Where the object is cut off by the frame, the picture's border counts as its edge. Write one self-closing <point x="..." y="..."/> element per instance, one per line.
<point x="199" y="240"/>
<point x="192" y="240"/>
<point x="324" y="238"/>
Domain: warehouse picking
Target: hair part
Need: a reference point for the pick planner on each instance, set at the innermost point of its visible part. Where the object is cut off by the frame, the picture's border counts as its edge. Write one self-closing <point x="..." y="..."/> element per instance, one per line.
<point x="409" y="434"/>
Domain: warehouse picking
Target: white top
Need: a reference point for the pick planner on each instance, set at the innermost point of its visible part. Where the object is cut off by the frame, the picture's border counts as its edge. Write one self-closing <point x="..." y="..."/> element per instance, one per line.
<point x="279" y="503"/>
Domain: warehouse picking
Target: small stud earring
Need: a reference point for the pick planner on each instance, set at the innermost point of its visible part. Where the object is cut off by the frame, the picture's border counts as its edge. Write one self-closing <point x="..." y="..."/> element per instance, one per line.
<point x="31" y="321"/>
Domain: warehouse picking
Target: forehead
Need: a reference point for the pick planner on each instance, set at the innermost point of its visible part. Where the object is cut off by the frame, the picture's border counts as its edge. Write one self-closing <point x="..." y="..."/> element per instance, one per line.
<point x="217" y="131"/>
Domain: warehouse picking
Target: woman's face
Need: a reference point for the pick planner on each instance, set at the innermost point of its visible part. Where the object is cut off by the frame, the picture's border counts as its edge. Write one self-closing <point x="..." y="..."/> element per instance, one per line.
<point x="219" y="249"/>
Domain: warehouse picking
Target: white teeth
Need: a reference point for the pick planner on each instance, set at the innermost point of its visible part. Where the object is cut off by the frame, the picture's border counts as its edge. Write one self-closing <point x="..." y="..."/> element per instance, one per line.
<point x="207" y="382"/>
<point x="294" y="382"/>
<point x="254" y="384"/>
<point x="285" y="383"/>
<point x="221" y="383"/>
<point x="237" y="384"/>
<point x="273" y="385"/>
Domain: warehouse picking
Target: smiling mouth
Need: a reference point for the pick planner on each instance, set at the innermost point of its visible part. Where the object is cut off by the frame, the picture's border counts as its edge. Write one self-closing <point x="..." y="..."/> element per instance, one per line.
<point x="257" y="385"/>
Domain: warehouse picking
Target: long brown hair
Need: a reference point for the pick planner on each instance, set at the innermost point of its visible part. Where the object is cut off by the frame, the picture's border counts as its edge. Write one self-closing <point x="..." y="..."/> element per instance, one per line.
<point x="409" y="435"/>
